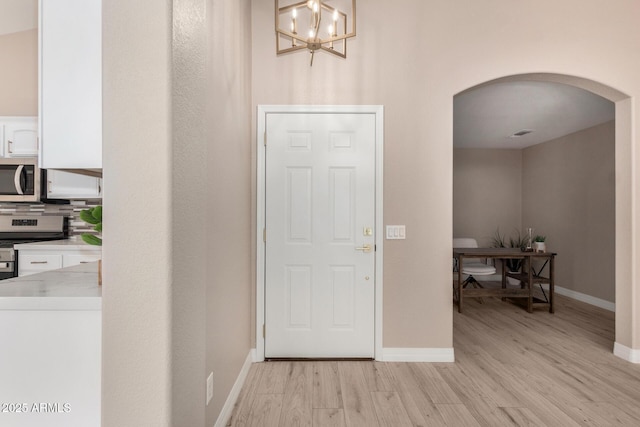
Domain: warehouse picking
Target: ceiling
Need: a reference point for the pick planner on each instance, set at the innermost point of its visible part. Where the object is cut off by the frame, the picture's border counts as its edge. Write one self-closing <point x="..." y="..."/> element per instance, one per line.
<point x="488" y="116"/>
<point x="18" y="15"/>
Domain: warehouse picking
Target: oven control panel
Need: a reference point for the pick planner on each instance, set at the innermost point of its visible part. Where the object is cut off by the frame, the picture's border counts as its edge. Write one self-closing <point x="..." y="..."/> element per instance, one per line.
<point x="22" y="222"/>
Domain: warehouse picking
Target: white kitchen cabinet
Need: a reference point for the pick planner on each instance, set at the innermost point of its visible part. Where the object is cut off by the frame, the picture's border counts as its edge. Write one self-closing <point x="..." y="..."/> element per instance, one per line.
<point x="70" y="259"/>
<point x="51" y="349"/>
<point x="19" y="136"/>
<point x="70" y="84"/>
<point x="31" y="263"/>
<point x="44" y="256"/>
<point x="68" y="185"/>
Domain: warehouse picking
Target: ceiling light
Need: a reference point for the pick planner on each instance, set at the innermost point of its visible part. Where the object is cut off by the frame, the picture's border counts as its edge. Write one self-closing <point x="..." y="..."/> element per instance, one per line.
<point x="298" y="27"/>
<point x="520" y="133"/>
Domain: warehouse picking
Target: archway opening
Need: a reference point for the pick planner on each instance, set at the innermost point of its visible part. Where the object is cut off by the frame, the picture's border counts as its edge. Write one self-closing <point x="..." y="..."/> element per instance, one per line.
<point x="520" y="186"/>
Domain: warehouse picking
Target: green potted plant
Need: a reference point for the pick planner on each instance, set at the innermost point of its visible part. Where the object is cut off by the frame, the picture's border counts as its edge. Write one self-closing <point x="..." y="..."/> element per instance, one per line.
<point x="539" y="244"/>
<point x="500" y="241"/>
<point x="92" y="216"/>
<point x="519" y="241"/>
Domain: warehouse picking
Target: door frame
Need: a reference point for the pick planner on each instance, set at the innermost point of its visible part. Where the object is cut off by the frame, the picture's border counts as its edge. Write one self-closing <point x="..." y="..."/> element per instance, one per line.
<point x="263" y="111"/>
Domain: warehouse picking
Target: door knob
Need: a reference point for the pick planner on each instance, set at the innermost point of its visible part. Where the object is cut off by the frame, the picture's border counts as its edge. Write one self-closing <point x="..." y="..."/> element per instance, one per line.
<point x="365" y="248"/>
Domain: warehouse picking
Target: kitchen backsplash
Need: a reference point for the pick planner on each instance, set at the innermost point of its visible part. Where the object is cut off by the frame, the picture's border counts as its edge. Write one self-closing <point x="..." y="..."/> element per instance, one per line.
<point x="72" y="211"/>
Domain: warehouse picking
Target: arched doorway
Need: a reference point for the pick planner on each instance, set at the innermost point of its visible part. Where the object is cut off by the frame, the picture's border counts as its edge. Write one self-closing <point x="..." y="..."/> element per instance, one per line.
<point x="623" y="197"/>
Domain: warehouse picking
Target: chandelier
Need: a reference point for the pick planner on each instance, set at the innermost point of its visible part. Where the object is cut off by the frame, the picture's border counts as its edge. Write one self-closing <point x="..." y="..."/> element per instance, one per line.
<point x="315" y="25"/>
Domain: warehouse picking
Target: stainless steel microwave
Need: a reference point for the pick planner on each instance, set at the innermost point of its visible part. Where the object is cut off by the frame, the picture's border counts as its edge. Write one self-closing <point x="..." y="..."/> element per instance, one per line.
<point x="19" y="179"/>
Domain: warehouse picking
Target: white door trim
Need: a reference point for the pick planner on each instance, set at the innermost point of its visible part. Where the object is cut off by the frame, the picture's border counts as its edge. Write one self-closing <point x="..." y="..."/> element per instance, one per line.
<point x="263" y="110"/>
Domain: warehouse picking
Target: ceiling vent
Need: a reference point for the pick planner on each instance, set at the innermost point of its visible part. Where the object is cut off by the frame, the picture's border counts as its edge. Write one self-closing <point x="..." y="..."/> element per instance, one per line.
<point x="520" y="133"/>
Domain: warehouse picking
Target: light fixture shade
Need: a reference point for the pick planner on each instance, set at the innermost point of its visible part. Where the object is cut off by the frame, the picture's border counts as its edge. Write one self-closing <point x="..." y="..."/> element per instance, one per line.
<point x="315" y="25"/>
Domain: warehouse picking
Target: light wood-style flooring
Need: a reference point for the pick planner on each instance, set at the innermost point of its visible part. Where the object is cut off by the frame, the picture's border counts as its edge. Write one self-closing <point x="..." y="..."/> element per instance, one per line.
<point x="512" y="369"/>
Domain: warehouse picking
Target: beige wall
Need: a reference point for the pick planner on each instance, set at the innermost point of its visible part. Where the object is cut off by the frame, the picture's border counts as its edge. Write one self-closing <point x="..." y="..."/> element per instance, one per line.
<point x="564" y="189"/>
<point x="487" y="193"/>
<point x="569" y="196"/>
<point x="154" y="296"/>
<point x="230" y="288"/>
<point x="454" y="46"/>
<point x="413" y="58"/>
<point x="177" y="287"/>
<point x="19" y="74"/>
<point x="383" y="67"/>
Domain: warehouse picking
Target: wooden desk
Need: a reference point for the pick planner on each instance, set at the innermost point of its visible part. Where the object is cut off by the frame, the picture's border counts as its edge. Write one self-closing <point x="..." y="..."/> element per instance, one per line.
<point x="527" y="275"/>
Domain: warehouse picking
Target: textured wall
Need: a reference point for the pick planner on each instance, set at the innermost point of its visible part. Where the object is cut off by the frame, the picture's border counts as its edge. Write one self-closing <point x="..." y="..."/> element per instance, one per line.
<point x="137" y="362"/>
<point x="184" y="258"/>
<point x="230" y="288"/>
<point x="189" y="212"/>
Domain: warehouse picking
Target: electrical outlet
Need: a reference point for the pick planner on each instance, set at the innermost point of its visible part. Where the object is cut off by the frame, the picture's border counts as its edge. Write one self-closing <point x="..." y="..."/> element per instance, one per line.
<point x="209" y="387"/>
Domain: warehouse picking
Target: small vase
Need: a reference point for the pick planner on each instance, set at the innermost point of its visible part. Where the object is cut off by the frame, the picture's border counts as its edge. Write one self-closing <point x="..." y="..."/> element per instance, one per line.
<point x="539" y="246"/>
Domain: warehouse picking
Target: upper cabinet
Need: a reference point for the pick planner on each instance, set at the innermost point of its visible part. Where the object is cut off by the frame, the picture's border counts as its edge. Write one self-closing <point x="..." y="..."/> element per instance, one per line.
<point x="19" y="136"/>
<point x="70" y="84"/>
<point x="65" y="185"/>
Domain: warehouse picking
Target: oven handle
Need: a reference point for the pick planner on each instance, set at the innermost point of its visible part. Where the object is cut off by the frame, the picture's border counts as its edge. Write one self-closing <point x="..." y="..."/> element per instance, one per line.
<point x="16" y="179"/>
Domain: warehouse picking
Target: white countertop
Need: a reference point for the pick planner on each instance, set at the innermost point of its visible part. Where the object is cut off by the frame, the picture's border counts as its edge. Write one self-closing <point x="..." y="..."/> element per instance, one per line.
<point x="73" y="243"/>
<point x="70" y="288"/>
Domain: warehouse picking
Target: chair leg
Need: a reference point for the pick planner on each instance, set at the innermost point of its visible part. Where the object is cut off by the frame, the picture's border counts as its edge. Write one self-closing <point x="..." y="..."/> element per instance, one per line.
<point x="473" y="282"/>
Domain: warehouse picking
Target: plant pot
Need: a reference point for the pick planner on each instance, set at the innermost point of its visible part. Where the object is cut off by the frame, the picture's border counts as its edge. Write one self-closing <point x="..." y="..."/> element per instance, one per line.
<point x="539" y="246"/>
<point x="511" y="281"/>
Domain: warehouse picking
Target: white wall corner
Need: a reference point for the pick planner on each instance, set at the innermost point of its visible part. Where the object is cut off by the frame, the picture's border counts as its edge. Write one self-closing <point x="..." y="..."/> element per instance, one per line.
<point x="417" y="355"/>
<point x="626" y="353"/>
<point x="229" y="404"/>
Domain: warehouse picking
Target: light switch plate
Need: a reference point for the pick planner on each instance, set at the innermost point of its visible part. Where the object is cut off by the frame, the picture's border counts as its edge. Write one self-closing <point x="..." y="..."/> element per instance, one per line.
<point x="396" y="232"/>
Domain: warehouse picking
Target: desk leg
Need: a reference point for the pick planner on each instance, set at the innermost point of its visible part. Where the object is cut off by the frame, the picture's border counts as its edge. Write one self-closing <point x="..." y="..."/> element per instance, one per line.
<point x="530" y="281"/>
<point x="503" y="264"/>
<point x="459" y="284"/>
<point x="504" y="275"/>
<point x="552" y="281"/>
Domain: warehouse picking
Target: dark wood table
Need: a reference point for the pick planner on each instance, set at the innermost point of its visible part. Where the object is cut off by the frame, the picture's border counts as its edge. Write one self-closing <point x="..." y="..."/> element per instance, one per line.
<point x="527" y="275"/>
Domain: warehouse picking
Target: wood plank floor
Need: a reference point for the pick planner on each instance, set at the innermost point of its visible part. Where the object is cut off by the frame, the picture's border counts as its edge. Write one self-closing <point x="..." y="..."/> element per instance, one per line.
<point x="512" y="369"/>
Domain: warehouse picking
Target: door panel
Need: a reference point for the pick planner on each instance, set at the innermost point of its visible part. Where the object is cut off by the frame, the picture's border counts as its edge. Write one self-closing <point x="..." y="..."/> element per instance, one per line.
<point x="320" y="198"/>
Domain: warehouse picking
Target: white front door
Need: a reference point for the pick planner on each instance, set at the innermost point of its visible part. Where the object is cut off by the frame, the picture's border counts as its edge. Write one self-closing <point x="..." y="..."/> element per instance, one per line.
<point x="320" y="235"/>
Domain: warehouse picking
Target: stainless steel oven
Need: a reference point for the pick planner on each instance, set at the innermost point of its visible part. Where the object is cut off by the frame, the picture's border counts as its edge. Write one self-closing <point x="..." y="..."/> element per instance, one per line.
<point x="26" y="229"/>
<point x="8" y="266"/>
<point x="19" y="180"/>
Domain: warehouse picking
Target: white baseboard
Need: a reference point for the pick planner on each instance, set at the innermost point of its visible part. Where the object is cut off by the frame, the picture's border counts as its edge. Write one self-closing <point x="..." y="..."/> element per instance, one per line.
<point x="227" y="409"/>
<point x="626" y="353"/>
<point x="417" y="355"/>
<point x="579" y="296"/>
